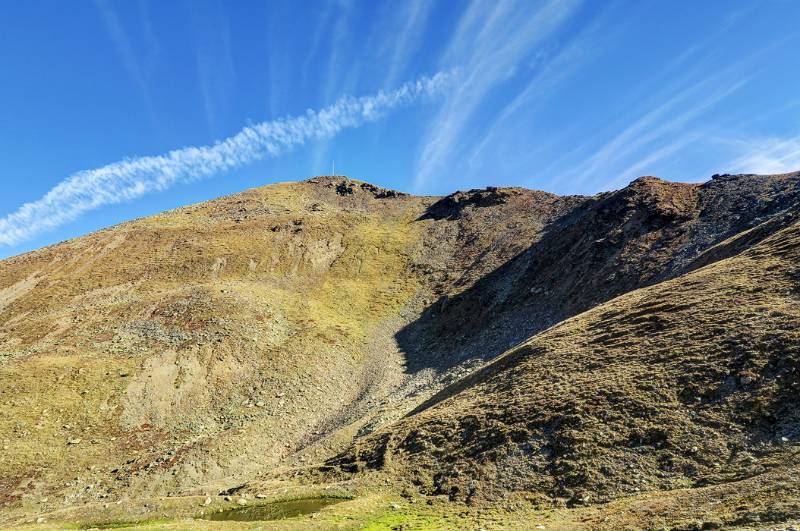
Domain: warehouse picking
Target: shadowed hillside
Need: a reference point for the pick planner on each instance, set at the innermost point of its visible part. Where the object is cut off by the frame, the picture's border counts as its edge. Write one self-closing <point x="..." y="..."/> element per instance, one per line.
<point x="597" y="249"/>
<point x="687" y="383"/>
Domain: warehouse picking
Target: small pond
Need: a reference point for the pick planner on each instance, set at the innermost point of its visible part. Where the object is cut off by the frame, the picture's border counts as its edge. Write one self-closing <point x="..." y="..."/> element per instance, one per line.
<point x="272" y="511"/>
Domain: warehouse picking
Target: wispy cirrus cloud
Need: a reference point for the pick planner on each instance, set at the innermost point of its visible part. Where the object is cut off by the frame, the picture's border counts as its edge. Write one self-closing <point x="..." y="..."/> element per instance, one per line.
<point x="671" y="116"/>
<point x="134" y="177"/>
<point x="414" y="19"/>
<point x="216" y="74"/>
<point x="125" y="49"/>
<point x="340" y="78"/>
<point x="122" y="42"/>
<point x="767" y="156"/>
<point x="490" y="42"/>
<point x="653" y="133"/>
<point x="550" y="68"/>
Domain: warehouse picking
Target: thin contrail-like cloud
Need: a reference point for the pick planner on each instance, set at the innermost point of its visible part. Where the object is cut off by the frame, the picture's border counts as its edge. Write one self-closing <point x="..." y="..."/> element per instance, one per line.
<point x="134" y="177"/>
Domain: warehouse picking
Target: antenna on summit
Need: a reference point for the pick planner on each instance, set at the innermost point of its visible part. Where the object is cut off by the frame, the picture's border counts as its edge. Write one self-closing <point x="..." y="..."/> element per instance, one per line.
<point x="333" y="170"/>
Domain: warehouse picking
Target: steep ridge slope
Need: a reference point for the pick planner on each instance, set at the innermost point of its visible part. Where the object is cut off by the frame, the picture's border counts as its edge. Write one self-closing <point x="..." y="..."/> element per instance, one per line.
<point x="690" y="382"/>
<point x="604" y="246"/>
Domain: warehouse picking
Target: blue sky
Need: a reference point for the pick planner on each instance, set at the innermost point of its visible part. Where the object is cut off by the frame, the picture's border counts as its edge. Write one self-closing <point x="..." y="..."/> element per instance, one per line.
<point x="103" y="102"/>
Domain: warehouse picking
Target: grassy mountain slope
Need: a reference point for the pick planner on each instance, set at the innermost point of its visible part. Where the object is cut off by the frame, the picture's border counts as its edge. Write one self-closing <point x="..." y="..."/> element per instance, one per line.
<point x="691" y="382"/>
<point x="197" y="342"/>
<point x="245" y="339"/>
<point x="209" y="342"/>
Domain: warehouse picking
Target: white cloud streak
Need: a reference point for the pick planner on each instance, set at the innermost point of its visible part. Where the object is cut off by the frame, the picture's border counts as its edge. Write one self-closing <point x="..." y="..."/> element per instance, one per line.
<point x="134" y="177"/>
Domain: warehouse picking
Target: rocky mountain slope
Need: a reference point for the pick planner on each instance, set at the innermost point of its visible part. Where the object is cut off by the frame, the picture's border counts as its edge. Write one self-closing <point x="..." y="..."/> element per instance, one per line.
<point x="691" y="382"/>
<point x="646" y="339"/>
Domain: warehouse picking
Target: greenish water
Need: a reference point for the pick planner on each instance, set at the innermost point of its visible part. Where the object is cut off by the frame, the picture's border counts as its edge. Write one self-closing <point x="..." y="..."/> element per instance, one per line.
<point x="272" y="511"/>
